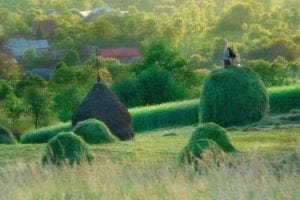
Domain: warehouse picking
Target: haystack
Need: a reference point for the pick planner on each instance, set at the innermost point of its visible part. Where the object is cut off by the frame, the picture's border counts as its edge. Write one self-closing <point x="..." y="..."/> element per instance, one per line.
<point x="104" y="105"/>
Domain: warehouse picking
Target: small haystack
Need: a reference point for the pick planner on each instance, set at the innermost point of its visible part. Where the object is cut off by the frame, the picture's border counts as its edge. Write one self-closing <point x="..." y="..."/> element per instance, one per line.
<point x="104" y="105"/>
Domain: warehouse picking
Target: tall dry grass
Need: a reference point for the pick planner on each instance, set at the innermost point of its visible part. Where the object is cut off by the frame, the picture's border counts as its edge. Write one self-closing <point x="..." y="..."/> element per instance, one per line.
<point x="239" y="177"/>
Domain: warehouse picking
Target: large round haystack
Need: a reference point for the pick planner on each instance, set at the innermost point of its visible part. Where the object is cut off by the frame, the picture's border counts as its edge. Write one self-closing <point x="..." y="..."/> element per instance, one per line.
<point x="94" y="131"/>
<point x="215" y="133"/>
<point x="234" y="96"/>
<point x="102" y="104"/>
<point x="6" y="137"/>
<point x="66" y="149"/>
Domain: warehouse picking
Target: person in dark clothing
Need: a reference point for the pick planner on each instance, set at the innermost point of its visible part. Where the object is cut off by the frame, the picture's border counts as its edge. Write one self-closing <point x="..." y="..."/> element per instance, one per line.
<point x="228" y="56"/>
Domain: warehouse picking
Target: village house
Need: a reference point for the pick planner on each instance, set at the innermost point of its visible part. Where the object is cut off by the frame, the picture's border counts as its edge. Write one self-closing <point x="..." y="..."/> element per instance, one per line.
<point x="124" y="55"/>
<point x="17" y="46"/>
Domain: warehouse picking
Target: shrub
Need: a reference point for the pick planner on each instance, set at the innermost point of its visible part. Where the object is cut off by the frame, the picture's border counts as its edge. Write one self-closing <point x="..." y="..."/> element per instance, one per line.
<point x="6" y="137"/>
<point x="43" y="135"/>
<point x="66" y="149"/>
<point x="127" y="89"/>
<point x="94" y="131"/>
<point x="200" y="153"/>
<point x="158" y="86"/>
<point x="234" y="96"/>
<point x="213" y="132"/>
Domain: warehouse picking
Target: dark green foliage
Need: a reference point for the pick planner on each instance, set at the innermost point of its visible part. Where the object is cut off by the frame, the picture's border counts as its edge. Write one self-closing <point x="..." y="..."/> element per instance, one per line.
<point x="158" y="54"/>
<point x="30" y="81"/>
<point x="127" y="89"/>
<point x="66" y="149"/>
<point x="65" y="101"/>
<point x="4" y="89"/>
<point x="165" y="115"/>
<point x="6" y="137"/>
<point x="158" y="86"/>
<point x="71" y="57"/>
<point x="32" y="59"/>
<point x="43" y="135"/>
<point x="195" y="151"/>
<point x="94" y="131"/>
<point x="283" y="99"/>
<point x="234" y="96"/>
<point x="235" y="17"/>
<point x="213" y="132"/>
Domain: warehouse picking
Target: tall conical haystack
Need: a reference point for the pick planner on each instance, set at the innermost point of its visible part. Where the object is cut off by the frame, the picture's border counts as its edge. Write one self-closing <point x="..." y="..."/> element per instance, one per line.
<point x="104" y="105"/>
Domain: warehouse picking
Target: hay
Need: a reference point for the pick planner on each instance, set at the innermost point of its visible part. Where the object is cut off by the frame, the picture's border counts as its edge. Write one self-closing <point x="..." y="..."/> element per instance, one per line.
<point x="234" y="96"/>
<point x="215" y="133"/>
<point x="102" y="104"/>
<point x="66" y="149"/>
<point x="94" y="131"/>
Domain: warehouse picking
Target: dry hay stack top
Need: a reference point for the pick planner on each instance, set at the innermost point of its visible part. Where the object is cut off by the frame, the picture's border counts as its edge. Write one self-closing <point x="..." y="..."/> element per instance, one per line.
<point x="234" y="96"/>
<point x="104" y="105"/>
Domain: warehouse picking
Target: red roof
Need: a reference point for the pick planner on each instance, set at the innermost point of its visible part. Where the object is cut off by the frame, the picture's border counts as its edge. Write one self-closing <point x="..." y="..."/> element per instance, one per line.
<point x="120" y="53"/>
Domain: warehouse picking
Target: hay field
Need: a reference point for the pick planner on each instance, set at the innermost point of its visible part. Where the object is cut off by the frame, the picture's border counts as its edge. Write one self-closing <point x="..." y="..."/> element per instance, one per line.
<point x="147" y="168"/>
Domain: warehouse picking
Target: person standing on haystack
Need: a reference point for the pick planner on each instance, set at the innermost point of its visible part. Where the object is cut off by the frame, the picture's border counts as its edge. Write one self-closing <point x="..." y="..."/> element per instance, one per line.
<point x="228" y="56"/>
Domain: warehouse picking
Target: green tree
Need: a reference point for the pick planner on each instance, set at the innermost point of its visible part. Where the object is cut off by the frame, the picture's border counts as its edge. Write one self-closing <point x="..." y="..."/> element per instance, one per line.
<point x="158" y="86"/>
<point x="5" y="89"/>
<point x="66" y="101"/>
<point x="13" y="107"/>
<point x="31" y="59"/>
<point x="160" y="55"/>
<point x="63" y="74"/>
<point x="234" y="18"/>
<point x="37" y="103"/>
<point x="71" y="57"/>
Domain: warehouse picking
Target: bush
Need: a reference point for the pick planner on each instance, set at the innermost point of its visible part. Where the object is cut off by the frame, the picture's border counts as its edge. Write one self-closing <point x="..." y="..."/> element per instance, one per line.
<point x="66" y="149"/>
<point x="6" y="137"/>
<point x="200" y="152"/>
<point x="234" y="96"/>
<point x="43" y="135"/>
<point x="213" y="132"/>
<point x="158" y="86"/>
<point x="94" y="131"/>
<point x="128" y="90"/>
<point x="283" y="99"/>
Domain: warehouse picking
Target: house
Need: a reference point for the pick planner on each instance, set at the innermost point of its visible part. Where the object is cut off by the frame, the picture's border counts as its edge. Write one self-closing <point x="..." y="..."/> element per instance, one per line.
<point x="17" y="46"/>
<point x="46" y="26"/>
<point x="124" y="55"/>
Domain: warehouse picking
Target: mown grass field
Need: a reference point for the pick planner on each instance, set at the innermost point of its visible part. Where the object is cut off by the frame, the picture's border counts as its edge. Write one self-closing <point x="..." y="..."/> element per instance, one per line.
<point x="163" y="144"/>
<point x="147" y="168"/>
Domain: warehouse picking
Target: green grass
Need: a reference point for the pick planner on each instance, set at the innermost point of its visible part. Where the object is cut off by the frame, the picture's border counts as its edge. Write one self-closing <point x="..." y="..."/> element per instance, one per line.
<point x="165" y="115"/>
<point x="43" y="135"/>
<point x="283" y="99"/>
<point x="147" y="168"/>
<point x="153" y="146"/>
